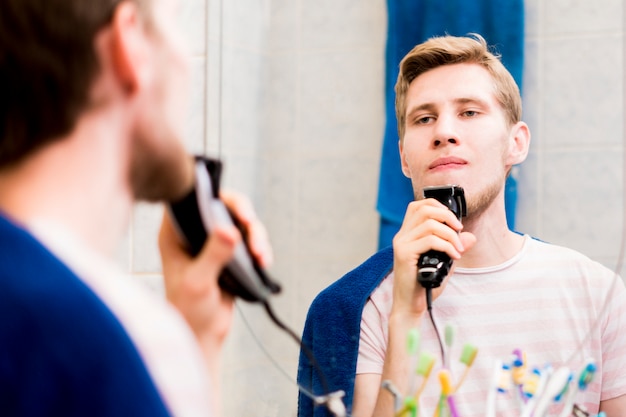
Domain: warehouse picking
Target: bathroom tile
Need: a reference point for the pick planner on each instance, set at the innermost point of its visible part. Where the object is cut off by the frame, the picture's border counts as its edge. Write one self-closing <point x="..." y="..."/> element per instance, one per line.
<point x="278" y="203"/>
<point x="582" y="200"/>
<point x="192" y="22"/>
<point x="342" y="109"/>
<point x="337" y="215"/>
<point x="533" y="14"/>
<point x="241" y="23"/>
<point x="240" y="172"/>
<point x="245" y="23"/>
<point x="260" y="369"/>
<point x="145" y="251"/>
<point x="213" y="98"/>
<point x="267" y="391"/>
<point x="529" y="186"/>
<point x="328" y="24"/>
<point x="280" y="105"/>
<point x="241" y="78"/>
<point x="283" y="30"/>
<point x="214" y="18"/>
<point x="194" y="127"/>
<point x="532" y="85"/>
<point x="581" y="92"/>
<point x="581" y="16"/>
<point x="123" y="251"/>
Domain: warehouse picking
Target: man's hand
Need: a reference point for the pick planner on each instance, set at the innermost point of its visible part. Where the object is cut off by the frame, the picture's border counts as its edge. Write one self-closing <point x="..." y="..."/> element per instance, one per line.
<point x="191" y="284"/>
<point x="428" y="225"/>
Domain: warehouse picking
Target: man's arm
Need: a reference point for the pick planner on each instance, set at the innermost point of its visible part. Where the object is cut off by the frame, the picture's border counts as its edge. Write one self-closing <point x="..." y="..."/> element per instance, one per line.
<point x="417" y="235"/>
<point x="366" y="388"/>
<point x="369" y="398"/>
<point x="615" y="407"/>
<point x="191" y="283"/>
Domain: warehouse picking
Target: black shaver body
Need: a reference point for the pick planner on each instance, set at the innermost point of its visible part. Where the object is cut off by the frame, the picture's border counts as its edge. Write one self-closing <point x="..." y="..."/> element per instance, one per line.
<point x="196" y="214"/>
<point x="433" y="266"/>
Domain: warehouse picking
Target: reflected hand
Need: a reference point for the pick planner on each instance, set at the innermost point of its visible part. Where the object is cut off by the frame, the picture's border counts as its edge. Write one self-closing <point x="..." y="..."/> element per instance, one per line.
<point x="428" y="225"/>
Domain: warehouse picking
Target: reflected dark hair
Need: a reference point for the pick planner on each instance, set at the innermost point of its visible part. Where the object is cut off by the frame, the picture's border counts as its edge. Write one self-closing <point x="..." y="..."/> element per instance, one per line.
<point x="47" y="66"/>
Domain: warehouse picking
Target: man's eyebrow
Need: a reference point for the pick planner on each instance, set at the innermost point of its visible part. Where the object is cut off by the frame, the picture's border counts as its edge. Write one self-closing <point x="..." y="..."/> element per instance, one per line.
<point x="429" y="107"/>
<point x="472" y="100"/>
<point x="424" y="106"/>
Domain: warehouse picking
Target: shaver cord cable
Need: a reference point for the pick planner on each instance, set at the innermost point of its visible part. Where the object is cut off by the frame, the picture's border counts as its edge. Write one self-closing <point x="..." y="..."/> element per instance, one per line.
<point x="303" y="347"/>
<point x="429" y="307"/>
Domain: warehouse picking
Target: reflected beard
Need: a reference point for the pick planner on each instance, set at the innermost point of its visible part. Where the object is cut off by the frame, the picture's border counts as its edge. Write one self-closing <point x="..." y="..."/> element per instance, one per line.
<point x="478" y="204"/>
<point x="160" y="174"/>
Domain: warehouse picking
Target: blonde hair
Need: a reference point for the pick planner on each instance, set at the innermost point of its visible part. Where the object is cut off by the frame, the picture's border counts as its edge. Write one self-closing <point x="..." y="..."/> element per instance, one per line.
<point x="448" y="50"/>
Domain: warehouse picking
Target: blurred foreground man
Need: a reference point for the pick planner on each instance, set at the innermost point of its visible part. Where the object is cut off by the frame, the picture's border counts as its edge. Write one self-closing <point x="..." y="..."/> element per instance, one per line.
<point x="91" y="116"/>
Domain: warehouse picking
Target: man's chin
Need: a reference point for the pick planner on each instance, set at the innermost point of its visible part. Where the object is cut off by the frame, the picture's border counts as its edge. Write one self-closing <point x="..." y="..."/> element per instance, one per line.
<point x="162" y="178"/>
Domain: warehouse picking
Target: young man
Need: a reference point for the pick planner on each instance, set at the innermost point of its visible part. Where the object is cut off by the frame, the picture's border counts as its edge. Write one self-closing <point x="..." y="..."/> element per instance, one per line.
<point x="459" y="120"/>
<point x="90" y="121"/>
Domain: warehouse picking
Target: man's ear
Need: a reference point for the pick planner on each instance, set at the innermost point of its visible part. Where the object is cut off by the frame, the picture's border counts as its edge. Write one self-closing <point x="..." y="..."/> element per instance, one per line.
<point x="405" y="166"/>
<point x="519" y="143"/>
<point x="129" y="46"/>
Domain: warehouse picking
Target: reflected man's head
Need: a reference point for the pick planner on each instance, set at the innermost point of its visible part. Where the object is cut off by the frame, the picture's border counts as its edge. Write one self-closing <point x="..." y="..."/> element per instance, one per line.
<point x="448" y="50"/>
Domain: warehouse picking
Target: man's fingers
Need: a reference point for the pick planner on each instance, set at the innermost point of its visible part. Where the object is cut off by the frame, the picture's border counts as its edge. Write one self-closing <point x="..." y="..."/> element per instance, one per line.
<point x="219" y="248"/>
<point x="256" y="233"/>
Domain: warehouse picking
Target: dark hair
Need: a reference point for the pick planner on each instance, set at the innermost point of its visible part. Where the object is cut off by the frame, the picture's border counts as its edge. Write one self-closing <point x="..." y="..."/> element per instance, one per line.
<point x="47" y="65"/>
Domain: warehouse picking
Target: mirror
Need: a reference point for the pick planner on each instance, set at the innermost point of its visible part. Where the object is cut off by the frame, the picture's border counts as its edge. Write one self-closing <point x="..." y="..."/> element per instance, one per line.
<point x="290" y="95"/>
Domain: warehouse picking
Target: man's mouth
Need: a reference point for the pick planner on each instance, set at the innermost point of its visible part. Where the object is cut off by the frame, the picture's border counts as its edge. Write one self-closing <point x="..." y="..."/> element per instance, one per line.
<point x="447" y="162"/>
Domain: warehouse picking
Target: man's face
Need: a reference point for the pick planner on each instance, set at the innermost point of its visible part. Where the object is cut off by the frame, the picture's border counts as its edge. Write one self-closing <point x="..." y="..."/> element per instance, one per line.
<point x="160" y="167"/>
<point x="456" y="133"/>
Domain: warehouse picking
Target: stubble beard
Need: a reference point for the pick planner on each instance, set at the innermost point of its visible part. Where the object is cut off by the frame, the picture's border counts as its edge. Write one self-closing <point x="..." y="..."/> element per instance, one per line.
<point x="164" y="174"/>
<point x="478" y="204"/>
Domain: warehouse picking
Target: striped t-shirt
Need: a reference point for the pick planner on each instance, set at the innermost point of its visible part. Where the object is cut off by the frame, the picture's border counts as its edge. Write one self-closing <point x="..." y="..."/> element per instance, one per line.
<point x="553" y="303"/>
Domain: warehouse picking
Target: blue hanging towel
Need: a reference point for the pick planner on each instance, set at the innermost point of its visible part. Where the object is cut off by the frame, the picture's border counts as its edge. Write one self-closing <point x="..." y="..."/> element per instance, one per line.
<point x="410" y="22"/>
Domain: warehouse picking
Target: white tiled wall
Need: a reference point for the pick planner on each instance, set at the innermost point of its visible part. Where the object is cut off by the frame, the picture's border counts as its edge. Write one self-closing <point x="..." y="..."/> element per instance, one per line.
<point x="571" y="186"/>
<point x="290" y="94"/>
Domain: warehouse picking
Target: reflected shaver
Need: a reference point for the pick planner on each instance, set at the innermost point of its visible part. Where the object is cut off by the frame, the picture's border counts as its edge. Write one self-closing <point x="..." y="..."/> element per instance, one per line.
<point x="198" y="213"/>
<point x="433" y="266"/>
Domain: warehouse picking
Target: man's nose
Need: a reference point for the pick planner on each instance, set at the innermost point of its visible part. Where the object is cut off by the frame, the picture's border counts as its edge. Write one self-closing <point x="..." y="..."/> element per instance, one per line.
<point x="445" y="132"/>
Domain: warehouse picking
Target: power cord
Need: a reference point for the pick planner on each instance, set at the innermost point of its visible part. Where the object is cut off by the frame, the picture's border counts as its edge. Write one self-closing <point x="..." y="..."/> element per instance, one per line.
<point x="429" y="306"/>
<point x="333" y="401"/>
<point x="303" y="347"/>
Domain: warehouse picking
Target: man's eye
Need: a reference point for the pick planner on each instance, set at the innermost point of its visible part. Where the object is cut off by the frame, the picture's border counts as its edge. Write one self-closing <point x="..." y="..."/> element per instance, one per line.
<point x="470" y="113"/>
<point x="423" y="120"/>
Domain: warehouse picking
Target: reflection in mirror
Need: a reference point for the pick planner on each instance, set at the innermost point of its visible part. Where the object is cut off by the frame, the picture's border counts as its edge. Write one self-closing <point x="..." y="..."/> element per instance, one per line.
<point x="290" y="95"/>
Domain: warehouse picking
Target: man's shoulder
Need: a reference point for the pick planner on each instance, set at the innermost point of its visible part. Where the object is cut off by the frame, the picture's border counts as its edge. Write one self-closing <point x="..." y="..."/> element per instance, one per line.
<point x="29" y="273"/>
<point x="355" y="286"/>
<point x="550" y="248"/>
<point x="61" y="341"/>
<point x="565" y="258"/>
<point x="361" y="279"/>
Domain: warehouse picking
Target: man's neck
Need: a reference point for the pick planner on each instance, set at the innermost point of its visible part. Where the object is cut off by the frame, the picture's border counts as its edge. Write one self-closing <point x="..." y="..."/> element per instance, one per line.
<point x="77" y="183"/>
<point x="495" y="242"/>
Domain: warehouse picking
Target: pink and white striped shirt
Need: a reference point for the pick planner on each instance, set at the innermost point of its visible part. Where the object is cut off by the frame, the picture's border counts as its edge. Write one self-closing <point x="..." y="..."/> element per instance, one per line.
<point x="555" y="304"/>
